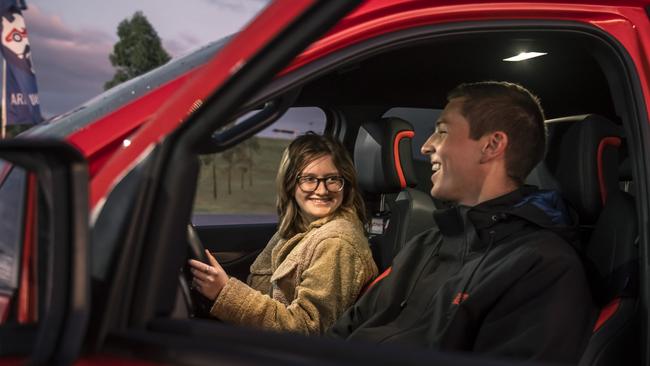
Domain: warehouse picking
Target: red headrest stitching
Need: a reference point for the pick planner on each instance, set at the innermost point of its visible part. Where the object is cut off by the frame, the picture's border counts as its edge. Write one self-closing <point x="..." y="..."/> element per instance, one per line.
<point x="607" y="141"/>
<point x="398" y="165"/>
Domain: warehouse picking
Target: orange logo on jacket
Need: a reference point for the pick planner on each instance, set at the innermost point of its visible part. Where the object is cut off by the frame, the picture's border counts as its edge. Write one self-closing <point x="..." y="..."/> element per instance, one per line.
<point x="460" y="297"/>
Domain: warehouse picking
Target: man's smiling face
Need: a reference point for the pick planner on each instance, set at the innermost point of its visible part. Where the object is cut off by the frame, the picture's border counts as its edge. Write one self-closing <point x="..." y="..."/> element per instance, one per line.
<point x="455" y="157"/>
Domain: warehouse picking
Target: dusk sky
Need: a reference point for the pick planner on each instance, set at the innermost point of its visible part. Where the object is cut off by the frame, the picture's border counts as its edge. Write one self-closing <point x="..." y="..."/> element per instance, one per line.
<point x="71" y="39"/>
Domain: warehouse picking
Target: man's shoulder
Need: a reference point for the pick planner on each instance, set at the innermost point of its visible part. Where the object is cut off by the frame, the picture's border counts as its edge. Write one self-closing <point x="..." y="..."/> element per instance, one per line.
<point x="546" y="245"/>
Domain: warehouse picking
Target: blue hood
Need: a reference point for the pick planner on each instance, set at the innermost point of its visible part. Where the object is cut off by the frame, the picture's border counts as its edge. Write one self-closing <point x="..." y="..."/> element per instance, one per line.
<point x="551" y="203"/>
<point x="525" y="206"/>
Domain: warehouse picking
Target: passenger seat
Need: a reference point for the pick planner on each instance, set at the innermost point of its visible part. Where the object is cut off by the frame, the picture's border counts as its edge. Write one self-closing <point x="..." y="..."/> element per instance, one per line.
<point x="583" y="161"/>
<point x="384" y="164"/>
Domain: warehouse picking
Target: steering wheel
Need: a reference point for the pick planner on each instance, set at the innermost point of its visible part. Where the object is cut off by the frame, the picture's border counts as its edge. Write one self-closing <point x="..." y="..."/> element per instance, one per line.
<point x="198" y="305"/>
<point x="196" y="248"/>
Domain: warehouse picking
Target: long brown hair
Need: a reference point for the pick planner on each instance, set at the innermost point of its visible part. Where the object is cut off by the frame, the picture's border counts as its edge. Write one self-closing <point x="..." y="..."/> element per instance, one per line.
<point x="302" y="151"/>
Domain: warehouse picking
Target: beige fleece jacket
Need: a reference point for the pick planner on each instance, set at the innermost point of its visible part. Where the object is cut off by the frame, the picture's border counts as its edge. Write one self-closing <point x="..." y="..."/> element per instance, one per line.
<point x="302" y="284"/>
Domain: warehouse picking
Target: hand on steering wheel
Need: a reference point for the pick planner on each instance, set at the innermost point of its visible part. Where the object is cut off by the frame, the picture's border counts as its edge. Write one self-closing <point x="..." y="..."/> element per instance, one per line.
<point x="197" y="304"/>
<point x="210" y="278"/>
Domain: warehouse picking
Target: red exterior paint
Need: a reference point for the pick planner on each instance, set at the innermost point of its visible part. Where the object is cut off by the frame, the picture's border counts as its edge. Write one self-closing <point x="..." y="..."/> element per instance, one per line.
<point x="5" y="301"/>
<point x="228" y="61"/>
<point x="100" y="139"/>
<point x="101" y="156"/>
<point x="381" y="17"/>
<point x="606" y="142"/>
<point x="398" y="164"/>
<point x="625" y="20"/>
<point x="26" y="312"/>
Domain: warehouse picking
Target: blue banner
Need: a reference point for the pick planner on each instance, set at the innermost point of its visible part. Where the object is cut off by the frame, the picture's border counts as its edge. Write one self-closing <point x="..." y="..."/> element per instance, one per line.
<point x="20" y="93"/>
<point x="15" y="5"/>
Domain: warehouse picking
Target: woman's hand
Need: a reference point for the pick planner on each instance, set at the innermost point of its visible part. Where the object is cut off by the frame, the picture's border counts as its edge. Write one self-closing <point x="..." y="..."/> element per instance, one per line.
<point x="209" y="279"/>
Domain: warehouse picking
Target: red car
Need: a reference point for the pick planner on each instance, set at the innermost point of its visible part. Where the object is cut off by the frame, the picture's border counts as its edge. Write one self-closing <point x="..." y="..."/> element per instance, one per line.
<point x="95" y="204"/>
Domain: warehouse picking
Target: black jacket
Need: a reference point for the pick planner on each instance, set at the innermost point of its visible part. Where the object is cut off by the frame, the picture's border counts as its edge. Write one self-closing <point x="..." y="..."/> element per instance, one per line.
<point x="499" y="278"/>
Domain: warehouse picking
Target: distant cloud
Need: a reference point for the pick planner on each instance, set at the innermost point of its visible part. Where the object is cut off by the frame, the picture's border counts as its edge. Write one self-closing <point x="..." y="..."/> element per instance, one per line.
<point x="181" y="44"/>
<point x="70" y="51"/>
<point x="71" y="65"/>
<point x="238" y="6"/>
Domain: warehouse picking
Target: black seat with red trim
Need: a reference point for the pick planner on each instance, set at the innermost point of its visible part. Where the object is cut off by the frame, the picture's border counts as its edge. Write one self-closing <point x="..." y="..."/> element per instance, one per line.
<point x="583" y="161"/>
<point x="384" y="164"/>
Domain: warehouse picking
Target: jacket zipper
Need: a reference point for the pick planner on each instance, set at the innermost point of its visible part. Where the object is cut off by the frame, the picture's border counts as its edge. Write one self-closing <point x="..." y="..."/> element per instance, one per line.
<point x="434" y="253"/>
<point x="463" y="254"/>
<point x="471" y="276"/>
<point x="464" y="288"/>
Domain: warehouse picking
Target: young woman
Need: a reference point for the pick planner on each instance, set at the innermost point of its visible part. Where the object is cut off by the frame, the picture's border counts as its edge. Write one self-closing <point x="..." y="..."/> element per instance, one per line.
<point x="318" y="261"/>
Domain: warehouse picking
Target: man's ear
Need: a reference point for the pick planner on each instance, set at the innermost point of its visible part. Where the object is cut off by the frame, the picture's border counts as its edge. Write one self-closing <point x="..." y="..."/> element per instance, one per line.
<point x="495" y="145"/>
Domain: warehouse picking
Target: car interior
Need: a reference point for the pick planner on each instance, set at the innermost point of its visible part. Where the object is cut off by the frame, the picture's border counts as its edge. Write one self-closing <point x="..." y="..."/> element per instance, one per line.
<point x="381" y="99"/>
<point x="578" y="103"/>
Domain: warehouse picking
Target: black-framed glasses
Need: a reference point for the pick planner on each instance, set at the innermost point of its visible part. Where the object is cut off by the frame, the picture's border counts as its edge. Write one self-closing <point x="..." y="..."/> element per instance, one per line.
<point x="309" y="184"/>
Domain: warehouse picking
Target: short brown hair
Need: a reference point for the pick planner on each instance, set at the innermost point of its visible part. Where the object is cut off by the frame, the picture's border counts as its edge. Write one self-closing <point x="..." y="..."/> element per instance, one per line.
<point x="302" y="151"/>
<point x="491" y="106"/>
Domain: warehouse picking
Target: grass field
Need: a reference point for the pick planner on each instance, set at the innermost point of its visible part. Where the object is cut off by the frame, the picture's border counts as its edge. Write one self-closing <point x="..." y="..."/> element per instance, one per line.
<point x="263" y="156"/>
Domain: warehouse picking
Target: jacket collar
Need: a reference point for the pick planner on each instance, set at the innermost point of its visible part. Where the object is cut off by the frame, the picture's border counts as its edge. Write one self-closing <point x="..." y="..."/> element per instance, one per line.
<point x="492" y="220"/>
<point x="487" y="214"/>
<point x="283" y="248"/>
<point x="341" y="213"/>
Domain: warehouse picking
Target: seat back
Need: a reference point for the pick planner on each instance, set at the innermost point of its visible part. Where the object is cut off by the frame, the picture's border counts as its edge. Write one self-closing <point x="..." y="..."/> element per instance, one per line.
<point x="384" y="164"/>
<point x="583" y="162"/>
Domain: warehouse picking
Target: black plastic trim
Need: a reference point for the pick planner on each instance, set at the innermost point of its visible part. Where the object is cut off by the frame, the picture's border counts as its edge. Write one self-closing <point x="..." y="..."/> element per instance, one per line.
<point x="271" y="111"/>
<point x="62" y="175"/>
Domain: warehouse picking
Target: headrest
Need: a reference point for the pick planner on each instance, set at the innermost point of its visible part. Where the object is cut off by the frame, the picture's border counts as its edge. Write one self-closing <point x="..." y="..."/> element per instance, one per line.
<point x="584" y="161"/>
<point x="382" y="156"/>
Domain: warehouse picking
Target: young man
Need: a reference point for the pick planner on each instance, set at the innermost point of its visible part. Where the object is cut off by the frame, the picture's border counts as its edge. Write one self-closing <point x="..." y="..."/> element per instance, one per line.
<point x="498" y="275"/>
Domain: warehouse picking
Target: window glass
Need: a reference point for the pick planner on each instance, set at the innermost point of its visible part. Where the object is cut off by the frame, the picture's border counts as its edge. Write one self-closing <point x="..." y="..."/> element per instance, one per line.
<point x="238" y="185"/>
<point x="423" y="121"/>
<point x="12" y="193"/>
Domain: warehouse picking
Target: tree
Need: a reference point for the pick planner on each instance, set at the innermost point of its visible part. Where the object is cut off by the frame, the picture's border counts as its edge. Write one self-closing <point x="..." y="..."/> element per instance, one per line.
<point x="210" y="160"/>
<point x="13" y="130"/>
<point x="253" y="147"/>
<point x="243" y="158"/>
<point x="243" y="170"/>
<point x="138" y="50"/>
<point x="229" y="157"/>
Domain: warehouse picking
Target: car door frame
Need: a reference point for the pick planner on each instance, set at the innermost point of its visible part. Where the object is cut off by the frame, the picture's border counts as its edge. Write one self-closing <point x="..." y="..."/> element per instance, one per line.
<point x="631" y="84"/>
<point x="61" y="223"/>
<point x="159" y="226"/>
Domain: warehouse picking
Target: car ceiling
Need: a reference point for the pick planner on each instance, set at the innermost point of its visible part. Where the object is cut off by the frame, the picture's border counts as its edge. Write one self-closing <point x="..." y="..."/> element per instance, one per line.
<point x="568" y="79"/>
